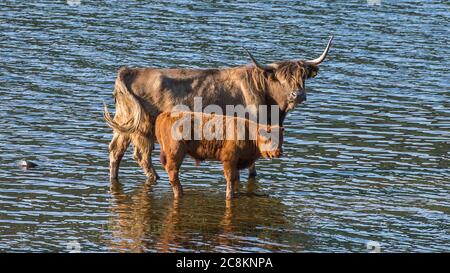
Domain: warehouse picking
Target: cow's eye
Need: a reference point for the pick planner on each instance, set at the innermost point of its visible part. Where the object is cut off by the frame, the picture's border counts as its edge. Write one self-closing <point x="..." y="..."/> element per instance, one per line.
<point x="272" y="77"/>
<point x="312" y="74"/>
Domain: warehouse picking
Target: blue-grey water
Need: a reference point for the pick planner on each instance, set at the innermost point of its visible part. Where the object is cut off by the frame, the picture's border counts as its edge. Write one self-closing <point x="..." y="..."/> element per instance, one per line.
<point x="366" y="157"/>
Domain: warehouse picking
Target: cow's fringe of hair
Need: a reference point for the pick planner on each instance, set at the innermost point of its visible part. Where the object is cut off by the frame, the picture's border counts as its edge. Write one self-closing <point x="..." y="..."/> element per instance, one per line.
<point x="293" y="73"/>
<point x="133" y="124"/>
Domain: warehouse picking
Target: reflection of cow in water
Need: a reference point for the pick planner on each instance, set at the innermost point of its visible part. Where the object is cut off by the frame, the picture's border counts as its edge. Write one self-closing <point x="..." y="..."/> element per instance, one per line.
<point x="144" y="221"/>
<point x="142" y="93"/>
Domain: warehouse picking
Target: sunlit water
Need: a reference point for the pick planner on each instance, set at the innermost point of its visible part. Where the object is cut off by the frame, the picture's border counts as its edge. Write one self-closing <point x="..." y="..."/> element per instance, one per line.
<point x="366" y="158"/>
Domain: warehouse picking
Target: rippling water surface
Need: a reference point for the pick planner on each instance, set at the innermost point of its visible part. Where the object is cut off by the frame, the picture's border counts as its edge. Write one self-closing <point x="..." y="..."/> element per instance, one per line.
<point x="367" y="157"/>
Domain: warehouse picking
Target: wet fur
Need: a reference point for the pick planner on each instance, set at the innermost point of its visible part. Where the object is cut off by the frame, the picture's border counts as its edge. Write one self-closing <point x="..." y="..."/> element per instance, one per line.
<point x="234" y="154"/>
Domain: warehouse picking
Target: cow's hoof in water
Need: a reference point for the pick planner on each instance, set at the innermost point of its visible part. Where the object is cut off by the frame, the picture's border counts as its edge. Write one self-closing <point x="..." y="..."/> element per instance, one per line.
<point x="25" y="164"/>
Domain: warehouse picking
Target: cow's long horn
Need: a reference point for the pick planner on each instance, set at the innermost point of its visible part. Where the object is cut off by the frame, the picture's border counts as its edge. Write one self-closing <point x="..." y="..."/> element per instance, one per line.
<point x="323" y="56"/>
<point x="255" y="62"/>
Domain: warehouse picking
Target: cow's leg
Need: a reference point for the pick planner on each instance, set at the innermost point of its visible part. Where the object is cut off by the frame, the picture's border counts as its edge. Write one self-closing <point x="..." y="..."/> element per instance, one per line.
<point x="231" y="175"/>
<point x="143" y="147"/>
<point x="172" y="167"/>
<point x="252" y="171"/>
<point x="117" y="148"/>
<point x="236" y="182"/>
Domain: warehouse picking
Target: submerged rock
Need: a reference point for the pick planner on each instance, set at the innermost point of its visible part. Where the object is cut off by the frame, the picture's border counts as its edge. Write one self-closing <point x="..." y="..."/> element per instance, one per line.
<point x="25" y="164"/>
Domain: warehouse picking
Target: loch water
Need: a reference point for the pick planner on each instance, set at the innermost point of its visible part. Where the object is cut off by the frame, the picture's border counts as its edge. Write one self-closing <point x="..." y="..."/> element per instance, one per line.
<point x="366" y="163"/>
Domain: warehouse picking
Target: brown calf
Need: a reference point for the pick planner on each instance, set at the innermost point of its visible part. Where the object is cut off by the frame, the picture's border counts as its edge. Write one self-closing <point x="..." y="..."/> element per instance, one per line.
<point x="234" y="152"/>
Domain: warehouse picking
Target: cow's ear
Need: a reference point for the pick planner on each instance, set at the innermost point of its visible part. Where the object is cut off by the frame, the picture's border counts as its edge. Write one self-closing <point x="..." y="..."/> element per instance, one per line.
<point x="312" y="71"/>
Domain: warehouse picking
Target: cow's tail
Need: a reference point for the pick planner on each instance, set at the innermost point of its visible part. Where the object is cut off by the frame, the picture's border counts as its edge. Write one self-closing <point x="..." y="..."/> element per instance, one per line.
<point x="135" y="111"/>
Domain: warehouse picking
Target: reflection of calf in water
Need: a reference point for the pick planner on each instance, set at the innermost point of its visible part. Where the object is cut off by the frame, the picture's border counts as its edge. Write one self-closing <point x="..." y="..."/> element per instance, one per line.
<point x="147" y="221"/>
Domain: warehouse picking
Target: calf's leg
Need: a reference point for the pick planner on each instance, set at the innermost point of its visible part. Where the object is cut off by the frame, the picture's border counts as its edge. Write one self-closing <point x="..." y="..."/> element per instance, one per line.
<point x="173" y="167"/>
<point x="232" y="176"/>
<point x="117" y="148"/>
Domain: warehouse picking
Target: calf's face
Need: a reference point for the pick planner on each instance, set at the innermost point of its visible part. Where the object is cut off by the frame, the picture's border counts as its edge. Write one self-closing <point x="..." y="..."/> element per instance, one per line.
<point x="270" y="141"/>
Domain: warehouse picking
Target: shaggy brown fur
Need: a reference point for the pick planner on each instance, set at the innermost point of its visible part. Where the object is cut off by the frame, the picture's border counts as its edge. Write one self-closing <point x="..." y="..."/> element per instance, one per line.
<point x="233" y="153"/>
<point x="142" y="93"/>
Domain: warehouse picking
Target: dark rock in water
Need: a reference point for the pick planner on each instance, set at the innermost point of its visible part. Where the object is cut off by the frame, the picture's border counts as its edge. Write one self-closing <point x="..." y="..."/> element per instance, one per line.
<point x="25" y="164"/>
